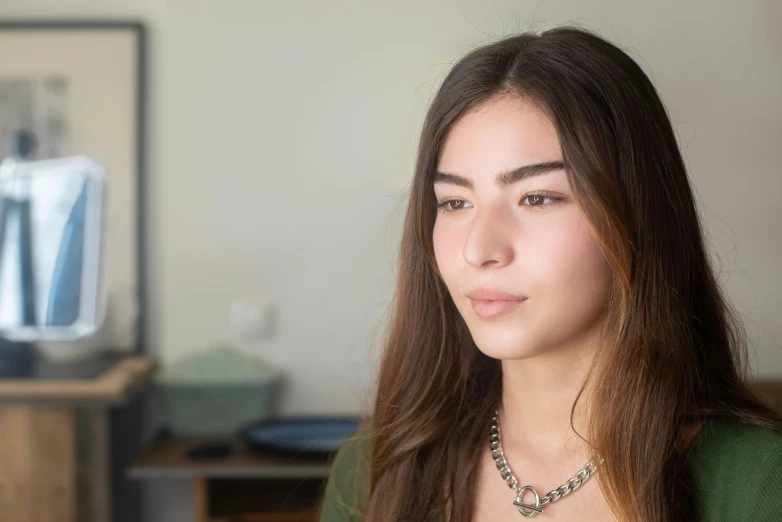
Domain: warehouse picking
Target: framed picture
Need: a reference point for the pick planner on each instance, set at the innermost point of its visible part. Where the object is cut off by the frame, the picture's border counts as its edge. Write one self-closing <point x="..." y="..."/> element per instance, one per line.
<point x="79" y="89"/>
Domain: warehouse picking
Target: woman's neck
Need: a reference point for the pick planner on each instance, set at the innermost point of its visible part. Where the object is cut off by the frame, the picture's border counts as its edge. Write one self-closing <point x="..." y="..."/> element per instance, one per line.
<point x="537" y="396"/>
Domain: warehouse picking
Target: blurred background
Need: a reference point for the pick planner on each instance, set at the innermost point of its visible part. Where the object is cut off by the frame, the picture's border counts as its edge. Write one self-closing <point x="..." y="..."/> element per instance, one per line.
<point x="258" y="155"/>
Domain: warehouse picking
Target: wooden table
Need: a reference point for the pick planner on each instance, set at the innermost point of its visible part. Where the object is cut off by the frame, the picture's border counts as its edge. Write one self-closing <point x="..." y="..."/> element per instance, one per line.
<point x="54" y="443"/>
<point x="246" y="486"/>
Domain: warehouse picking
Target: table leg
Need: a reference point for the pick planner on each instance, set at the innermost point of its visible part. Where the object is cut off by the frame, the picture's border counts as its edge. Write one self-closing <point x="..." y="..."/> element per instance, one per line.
<point x="202" y="499"/>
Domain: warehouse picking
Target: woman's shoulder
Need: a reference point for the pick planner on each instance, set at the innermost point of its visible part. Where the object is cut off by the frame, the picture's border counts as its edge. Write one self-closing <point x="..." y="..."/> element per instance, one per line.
<point x="734" y="467"/>
<point x="347" y="486"/>
<point x="730" y="441"/>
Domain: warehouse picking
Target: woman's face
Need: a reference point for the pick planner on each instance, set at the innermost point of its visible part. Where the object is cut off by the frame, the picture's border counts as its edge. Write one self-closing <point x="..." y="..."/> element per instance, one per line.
<point x="522" y="234"/>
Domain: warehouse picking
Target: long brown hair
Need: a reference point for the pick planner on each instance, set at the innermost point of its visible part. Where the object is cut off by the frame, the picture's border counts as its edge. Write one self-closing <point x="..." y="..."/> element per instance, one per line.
<point x="673" y="351"/>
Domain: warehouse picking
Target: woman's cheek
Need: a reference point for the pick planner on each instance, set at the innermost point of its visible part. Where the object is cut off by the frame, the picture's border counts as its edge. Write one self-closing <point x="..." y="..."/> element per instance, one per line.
<point x="577" y="263"/>
<point x="447" y="252"/>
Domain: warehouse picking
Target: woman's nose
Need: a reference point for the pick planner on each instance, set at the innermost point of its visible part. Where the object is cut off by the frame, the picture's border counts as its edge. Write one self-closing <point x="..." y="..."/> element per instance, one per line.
<point x="489" y="240"/>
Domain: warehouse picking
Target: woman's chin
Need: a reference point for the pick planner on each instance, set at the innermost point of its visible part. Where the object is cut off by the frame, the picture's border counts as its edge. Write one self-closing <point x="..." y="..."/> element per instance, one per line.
<point x="507" y="347"/>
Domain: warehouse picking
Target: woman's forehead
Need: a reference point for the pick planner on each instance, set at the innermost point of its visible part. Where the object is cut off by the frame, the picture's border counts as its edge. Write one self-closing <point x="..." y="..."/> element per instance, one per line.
<point x="498" y="136"/>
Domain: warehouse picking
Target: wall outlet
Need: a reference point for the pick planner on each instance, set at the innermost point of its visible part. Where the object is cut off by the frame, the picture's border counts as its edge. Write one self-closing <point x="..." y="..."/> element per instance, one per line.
<point x="253" y="319"/>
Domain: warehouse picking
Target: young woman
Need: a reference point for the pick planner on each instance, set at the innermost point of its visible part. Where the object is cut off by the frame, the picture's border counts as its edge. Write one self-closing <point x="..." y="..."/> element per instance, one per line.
<point x="559" y="345"/>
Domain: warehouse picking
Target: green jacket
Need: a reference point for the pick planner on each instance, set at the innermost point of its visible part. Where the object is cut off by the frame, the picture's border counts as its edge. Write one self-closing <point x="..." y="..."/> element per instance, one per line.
<point x="736" y="469"/>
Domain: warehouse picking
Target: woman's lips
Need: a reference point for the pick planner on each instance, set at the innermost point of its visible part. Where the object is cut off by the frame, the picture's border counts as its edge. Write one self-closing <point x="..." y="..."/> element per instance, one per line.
<point x="491" y="309"/>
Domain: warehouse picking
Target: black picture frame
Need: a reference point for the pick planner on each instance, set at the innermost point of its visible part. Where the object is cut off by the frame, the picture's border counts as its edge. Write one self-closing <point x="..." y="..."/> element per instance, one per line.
<point x="138" y="29"/>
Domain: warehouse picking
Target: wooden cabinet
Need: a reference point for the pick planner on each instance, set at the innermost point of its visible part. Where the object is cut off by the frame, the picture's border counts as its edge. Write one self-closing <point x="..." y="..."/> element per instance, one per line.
<point x="245" y="486"/>
<point x="54" y="444"/>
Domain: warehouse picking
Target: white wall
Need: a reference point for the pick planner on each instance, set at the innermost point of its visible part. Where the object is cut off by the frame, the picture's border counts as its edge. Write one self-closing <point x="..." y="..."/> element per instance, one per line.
<point x="282" y="135"/>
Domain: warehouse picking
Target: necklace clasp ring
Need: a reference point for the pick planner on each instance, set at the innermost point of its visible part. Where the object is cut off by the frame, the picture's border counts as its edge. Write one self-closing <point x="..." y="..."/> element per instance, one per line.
<point x="532" y="510"/>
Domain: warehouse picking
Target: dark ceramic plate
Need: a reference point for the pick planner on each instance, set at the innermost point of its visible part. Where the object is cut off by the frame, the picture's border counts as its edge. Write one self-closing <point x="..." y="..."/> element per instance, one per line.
<point x="302" y="437"/>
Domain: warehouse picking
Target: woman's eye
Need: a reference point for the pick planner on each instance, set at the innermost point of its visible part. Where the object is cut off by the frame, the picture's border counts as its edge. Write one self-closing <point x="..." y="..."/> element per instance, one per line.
<point x="539" y="200"/>
<point x="451" y="205"/>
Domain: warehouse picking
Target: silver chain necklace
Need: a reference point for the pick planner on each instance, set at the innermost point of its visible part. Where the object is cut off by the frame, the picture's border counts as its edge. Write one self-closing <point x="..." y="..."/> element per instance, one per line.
<point x="530" y="510"/>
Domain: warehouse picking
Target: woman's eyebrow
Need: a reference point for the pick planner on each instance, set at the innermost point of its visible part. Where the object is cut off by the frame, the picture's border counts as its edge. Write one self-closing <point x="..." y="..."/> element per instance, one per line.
<point x="503" y="179"/>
